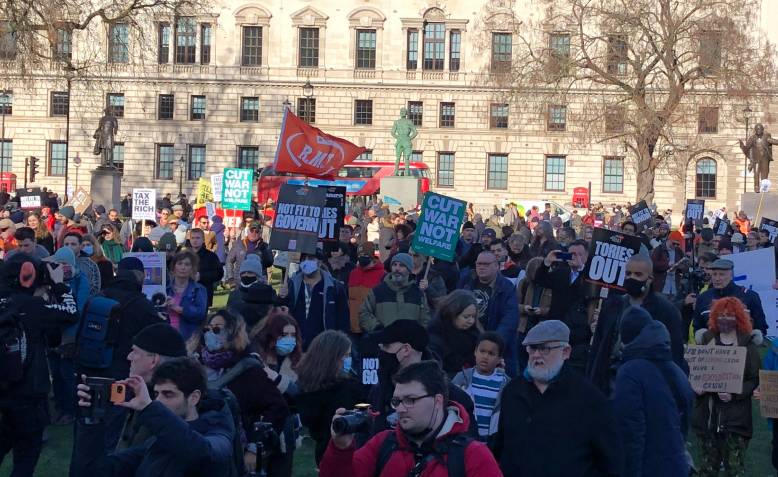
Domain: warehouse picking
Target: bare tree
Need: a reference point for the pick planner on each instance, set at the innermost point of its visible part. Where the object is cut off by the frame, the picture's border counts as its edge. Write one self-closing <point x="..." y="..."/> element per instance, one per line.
<point x="639" y="68"/>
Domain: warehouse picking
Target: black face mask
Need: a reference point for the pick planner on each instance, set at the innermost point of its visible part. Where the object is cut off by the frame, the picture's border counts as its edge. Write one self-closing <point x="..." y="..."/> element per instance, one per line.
<point x="387" y="363"/>
<point x="247" y="281"/>
<point x="364" y="261"/>
<point x="635" y="288"/>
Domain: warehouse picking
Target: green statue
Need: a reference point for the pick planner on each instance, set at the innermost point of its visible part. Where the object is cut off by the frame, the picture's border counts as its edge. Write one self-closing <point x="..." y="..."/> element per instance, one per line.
<point x="403" y="131"/>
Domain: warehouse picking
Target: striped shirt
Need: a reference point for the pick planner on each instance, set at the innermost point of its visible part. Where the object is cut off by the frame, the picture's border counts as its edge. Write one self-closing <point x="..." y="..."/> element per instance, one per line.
<point x="484" y="391"/>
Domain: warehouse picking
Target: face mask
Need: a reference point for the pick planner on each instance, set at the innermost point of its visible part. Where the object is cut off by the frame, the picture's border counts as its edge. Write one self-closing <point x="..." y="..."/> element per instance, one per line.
<point x="635" y="288"/>
<point x="213" y="341"/>
<point x="246" y="281"/>
<point x="285" y="345"/>
<point x="347" y="364"/>
<point x="309" y="267"/>
<point x="387" y="363"/>
<point x="364" y="261"/>
<point x="726" y="326"/>
<point x="88" y="250"/>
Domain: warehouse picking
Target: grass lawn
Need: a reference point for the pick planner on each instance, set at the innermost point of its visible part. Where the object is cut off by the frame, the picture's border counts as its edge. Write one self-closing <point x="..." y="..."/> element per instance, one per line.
<point x="55" y="459"/>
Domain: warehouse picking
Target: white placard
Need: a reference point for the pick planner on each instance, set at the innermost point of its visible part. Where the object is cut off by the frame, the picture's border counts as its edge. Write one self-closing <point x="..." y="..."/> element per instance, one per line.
<point x="144" y="204"/>
<point x="754" y="270"/>
<point x="216" y="186"/>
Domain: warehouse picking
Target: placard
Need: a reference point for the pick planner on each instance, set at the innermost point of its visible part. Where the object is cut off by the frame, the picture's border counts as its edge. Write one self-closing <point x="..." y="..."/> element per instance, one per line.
<point x="155" y="268"/>
<point x="771" y="226"/>
<point x="30" y="198"/>
<point x="768" y="389"/>
<point x="236" y="189"/>
<point x="298" y="218"/>
<point x="722" y="227"/>
<point x="210" y="210"/>
<point x="754" y="269"/>
<point x="716" y="369"/>
<point x="204" y="192"/>
<point x="695" y="210"/>
<point x="81" y="200"/>
<point x="144" y="203"/>
<point x="437" y="232"/>
<point x="332" y="217"/>
<point x="216" y="186"/>
<point x="608" y="255"/>
<point x="641" y="215"/>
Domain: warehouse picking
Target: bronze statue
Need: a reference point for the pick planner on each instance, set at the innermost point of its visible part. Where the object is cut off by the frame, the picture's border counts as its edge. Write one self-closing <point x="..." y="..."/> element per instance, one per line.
<point x="759" y="150"/>
<point x="403" y="131"/>
<point x="104" y="138"/>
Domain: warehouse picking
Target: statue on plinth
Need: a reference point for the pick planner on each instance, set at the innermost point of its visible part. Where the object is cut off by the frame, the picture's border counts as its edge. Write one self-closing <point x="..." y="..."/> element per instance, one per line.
<point x="105" y="138"/>
<point x="404" y="132"/>
<point x="759" y="150"/>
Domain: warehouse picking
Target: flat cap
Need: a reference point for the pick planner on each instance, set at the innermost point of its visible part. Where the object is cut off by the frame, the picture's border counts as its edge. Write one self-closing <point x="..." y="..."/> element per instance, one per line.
<point x="722" y="264"/>
<point x="546" y="331"/>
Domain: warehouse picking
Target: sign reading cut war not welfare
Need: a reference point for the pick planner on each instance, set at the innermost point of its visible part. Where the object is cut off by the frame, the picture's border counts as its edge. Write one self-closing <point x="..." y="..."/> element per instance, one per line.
<point x="236" y="189"/>
<point x="439" y="225"/>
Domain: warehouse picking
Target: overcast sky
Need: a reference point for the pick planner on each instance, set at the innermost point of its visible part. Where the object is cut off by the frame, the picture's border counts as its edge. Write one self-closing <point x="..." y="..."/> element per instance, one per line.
<point x="769" y="17"/>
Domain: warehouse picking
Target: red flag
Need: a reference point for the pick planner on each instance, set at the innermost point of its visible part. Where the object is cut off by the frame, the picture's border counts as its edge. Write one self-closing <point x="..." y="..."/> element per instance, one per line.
<point x="306" y="150"/>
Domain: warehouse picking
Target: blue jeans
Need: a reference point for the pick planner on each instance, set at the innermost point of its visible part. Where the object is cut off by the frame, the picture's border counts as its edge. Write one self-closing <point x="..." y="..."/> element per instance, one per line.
<point x="92" y="441"/>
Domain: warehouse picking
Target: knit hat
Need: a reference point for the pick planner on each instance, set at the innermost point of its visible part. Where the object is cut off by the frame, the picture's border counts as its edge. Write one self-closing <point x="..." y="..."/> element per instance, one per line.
<point x="404" y="259"/>
<point x="737" y="238"/>
<point x="633" y="321"/>
<point x="251" y="264"/>
<point x="468" y="225"/>
<point x="161" y="338"/>
<point x="100" y="209"/>
<point x="65" y="254"/>
<point x="167" y="243"/>
<point x="130" y="263"/>
<point x="68" y="212"/>
<point x="366" y="249"/>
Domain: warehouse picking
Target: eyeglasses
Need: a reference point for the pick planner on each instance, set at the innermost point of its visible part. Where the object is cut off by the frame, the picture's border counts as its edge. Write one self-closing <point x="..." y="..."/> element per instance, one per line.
<point x="544" y="350"/>
<point x="408" y="401"/>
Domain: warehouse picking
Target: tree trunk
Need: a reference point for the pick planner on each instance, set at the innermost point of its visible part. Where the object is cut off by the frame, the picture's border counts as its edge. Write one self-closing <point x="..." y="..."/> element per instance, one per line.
<point x="646" y="171"/>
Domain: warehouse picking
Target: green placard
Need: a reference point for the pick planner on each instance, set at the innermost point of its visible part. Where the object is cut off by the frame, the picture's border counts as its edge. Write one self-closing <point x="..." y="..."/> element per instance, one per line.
<point x="439" y="226"/>
<point x="236" y="188"/>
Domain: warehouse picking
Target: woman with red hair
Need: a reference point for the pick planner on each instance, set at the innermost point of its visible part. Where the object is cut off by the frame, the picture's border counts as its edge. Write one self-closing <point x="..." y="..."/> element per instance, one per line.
<point x="722" y="421"/>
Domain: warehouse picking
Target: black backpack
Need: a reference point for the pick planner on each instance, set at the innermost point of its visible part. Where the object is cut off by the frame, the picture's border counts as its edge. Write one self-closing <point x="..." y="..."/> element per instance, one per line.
<point x="238" y="467"/>
<point x="14" y="345"/>
<point x="452" y="446"/>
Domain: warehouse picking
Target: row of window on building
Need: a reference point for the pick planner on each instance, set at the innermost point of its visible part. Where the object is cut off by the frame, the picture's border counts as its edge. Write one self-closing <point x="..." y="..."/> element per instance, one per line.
<point x="190" y="42"/>
<point x="249" y="109"/>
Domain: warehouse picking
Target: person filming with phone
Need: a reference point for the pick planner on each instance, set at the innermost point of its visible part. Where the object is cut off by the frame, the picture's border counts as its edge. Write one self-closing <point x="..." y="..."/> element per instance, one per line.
<point x="26" y="319"/>
<point x="188" y="434"/>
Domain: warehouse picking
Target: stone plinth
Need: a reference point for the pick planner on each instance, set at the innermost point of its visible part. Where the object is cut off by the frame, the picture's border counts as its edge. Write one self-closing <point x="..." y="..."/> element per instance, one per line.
<point x="401" y="191"/>
<point x="106" y="186"/>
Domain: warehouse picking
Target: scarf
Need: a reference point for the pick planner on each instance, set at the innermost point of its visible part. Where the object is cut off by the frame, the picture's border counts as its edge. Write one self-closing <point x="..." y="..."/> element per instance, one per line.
<point x="218" y="359"/>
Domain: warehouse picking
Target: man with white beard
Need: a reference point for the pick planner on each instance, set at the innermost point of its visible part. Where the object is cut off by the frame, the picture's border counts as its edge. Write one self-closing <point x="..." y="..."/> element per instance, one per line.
<point x="553" y="421"/>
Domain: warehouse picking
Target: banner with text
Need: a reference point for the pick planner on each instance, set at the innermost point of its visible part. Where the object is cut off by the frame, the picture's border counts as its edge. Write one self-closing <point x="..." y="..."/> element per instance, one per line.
<point x="236" y="189"/>
<point x="154" y="266"/>
<point x="216" y="186"/>
<point x="755" y="270"/>
<point x="771" y="226"/>
<point x="298" y="218"/>
<point x="768" y="387"/>
<point x="608" y="255"/>
<point x="439" y="226"/>
<point x="204" y="192"/>
<point x="695" y="210"/>
<point x="332" y="217"/>
<point x="721" y="227"/>
<point x="640" y="214"/>
<point x="144" y="203"/>
<point x="30" y="198"/>
<point x="81" y="200"/>
<point x="716" y="369"/>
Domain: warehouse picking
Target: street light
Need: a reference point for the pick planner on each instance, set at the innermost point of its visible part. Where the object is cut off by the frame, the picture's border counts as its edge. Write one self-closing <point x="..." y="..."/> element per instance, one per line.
<point x="747" y="115"/>
<point x="69" y="73"/>
<point x="77" y="163"/>
<point x="308" y="89"/>
<point x="180" y="176"/>
<point x="4" y="95"/>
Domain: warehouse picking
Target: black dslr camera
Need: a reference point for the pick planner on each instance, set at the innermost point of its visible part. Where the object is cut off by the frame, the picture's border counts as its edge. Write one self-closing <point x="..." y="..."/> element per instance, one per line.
<point x="355" y="421"/>
<point x="267" y="441"/>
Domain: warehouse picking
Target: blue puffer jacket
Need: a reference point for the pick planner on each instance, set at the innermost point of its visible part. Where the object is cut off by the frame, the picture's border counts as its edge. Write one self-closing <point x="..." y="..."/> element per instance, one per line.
<point x="652" y="427"/>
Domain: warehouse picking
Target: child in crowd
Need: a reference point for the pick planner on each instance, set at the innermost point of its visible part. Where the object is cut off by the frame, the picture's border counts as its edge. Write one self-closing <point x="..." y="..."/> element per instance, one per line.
<point x="485" y="382"/>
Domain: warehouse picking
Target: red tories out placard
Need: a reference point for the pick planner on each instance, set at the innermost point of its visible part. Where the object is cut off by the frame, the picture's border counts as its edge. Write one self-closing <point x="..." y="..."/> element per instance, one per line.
<point x="306" y="150"/>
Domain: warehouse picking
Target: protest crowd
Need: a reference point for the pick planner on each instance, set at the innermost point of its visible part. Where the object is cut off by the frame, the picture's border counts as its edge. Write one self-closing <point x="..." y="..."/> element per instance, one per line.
<point x="537" y="348"/>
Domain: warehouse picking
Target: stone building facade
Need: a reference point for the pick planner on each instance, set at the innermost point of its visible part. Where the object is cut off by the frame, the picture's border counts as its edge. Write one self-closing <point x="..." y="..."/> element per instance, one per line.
<point x="207" y="91"/>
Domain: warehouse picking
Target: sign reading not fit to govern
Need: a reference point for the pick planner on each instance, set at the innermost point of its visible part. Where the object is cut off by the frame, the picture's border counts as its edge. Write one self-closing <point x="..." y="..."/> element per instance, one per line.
<point x="439" y="226"/>
<point x="236" y="189"/>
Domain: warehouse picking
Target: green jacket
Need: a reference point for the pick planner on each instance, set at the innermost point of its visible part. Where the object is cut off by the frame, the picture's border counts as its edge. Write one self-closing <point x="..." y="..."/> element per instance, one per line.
<point x="390" y="301"/>
<point x="113" y="251"/>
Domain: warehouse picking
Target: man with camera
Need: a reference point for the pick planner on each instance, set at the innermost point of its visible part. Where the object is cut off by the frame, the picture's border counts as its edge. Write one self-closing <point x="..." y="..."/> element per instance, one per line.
<point x="25" y="322"/>
<point x="190" y="435"/>
<point x="152" y="346"/>
<point x="430" y="439"/>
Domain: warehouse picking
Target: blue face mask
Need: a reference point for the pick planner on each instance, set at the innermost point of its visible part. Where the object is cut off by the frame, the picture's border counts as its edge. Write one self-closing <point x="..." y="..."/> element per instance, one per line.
<point x="88" y="250"/>
<point x="347" y="364"/>
<point x="285" y="345"/>
<point x="213" y="341"/>
<point x="309" y="267"/>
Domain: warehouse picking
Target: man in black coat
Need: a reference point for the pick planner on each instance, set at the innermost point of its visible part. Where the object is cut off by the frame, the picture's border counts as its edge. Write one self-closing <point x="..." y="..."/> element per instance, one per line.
<point x="553" y="422"/>
<point x="605" y="352"/>
<point x="23" y="405"/>
<point x="211" y="270"/>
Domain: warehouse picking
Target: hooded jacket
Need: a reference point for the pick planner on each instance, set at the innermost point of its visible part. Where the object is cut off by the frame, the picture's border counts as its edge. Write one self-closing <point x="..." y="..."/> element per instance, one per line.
<point x="360" y="282"/>
<point x="652" y="426"/>
<point x="334" y="306"/>
<point x="238" y="252"/>
<point x="202" y="447"/>
<point x="390" y="301"/>
<point x="749" y="298"/>
<point x="479" y="462"/>
<point x="711" y="414"/>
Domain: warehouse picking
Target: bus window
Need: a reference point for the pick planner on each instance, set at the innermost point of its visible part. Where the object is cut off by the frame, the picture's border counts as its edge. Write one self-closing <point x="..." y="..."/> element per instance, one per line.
<point x="358" y="172"/>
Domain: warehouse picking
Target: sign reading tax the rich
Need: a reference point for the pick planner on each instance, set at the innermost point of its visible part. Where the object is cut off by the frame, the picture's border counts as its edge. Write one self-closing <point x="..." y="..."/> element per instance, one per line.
<point x="298" y="218"/>
<point x="439" y="226"/>
<point x="144" y="204"/>
<point x="608" y="255"/>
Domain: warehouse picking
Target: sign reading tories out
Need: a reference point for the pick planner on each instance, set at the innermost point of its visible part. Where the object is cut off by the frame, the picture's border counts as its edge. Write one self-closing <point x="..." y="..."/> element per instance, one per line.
<point x="608" y="255"/>
<point x="144" y="204"/>
<point x="236" y="189"/>
<point x="439" y="225"/>
<point x="695" y="209"/>
<point x="298" y="218"/>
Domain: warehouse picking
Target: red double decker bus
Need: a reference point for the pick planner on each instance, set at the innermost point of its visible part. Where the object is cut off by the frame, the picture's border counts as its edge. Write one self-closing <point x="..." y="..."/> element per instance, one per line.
<point x="360" y="178"/>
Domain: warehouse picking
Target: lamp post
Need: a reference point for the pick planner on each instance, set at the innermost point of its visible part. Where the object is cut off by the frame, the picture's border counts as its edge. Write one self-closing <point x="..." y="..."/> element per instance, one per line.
<point x="308" y="89"/>
<point x="747" y="115"/>
<point x="77" y="163"/>
<point x="181" y="176"/>
<point x="69" y="78"/>
<point x="4" y="95"/>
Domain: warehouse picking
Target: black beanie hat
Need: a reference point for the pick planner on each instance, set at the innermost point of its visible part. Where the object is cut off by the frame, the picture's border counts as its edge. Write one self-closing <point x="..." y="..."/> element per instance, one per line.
<point x="633" y="321"/>
<point x="161" y="338"/>
<point x="468" y="225"/>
